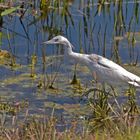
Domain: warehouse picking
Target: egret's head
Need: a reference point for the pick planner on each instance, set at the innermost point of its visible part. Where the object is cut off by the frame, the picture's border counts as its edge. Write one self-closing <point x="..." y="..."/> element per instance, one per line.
<point x="59" y="40"/>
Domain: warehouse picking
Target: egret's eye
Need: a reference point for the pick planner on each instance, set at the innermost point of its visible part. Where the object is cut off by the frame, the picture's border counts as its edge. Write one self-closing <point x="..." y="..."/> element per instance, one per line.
<point x="56" y="40"/>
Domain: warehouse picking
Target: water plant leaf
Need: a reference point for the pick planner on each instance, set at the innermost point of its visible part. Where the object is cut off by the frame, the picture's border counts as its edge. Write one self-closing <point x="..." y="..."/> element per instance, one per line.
<point x="9" y="11"/>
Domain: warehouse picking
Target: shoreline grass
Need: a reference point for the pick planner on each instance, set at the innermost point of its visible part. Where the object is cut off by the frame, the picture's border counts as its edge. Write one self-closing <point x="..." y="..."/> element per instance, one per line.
<point x="109" y="120"/>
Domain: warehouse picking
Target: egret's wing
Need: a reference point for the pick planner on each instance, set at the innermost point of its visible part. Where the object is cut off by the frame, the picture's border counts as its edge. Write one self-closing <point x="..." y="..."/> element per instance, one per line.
<point x="104" y="62"/>
<point x="116" y="69"/>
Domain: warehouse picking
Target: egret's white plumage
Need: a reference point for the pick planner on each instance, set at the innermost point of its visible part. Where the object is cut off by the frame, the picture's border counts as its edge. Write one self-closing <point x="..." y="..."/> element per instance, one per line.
<point x="106" y="70"/>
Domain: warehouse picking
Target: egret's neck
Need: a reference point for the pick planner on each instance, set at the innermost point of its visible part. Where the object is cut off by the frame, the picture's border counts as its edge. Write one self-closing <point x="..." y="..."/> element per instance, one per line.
<point x="68" y="48"/>
<point x="77" y="57"/>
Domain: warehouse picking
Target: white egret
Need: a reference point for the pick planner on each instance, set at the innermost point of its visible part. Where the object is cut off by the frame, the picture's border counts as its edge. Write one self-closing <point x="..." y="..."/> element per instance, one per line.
<point x="105" y="69"/>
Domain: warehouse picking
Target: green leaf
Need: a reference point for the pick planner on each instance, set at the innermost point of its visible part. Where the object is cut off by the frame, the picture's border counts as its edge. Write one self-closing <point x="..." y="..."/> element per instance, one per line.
<point x="9" y="11"/>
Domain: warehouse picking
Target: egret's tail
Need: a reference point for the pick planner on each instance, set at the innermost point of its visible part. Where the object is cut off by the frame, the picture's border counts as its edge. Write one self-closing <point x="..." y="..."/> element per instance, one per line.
<point x="134" y="83"/>
<point x="134" y="80"/>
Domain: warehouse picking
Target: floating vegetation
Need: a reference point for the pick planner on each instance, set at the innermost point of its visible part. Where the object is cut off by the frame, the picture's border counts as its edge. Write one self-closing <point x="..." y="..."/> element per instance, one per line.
<point x="12" y="108"/>
<point x="4" y="54"/>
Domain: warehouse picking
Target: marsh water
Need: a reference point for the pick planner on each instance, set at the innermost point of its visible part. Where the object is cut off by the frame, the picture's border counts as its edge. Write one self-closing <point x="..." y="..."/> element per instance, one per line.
<point x="40" y="74"/>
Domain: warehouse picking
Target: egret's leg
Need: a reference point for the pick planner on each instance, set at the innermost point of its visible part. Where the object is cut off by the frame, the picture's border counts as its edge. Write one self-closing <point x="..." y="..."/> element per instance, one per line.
<point x="96" y="78"/>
